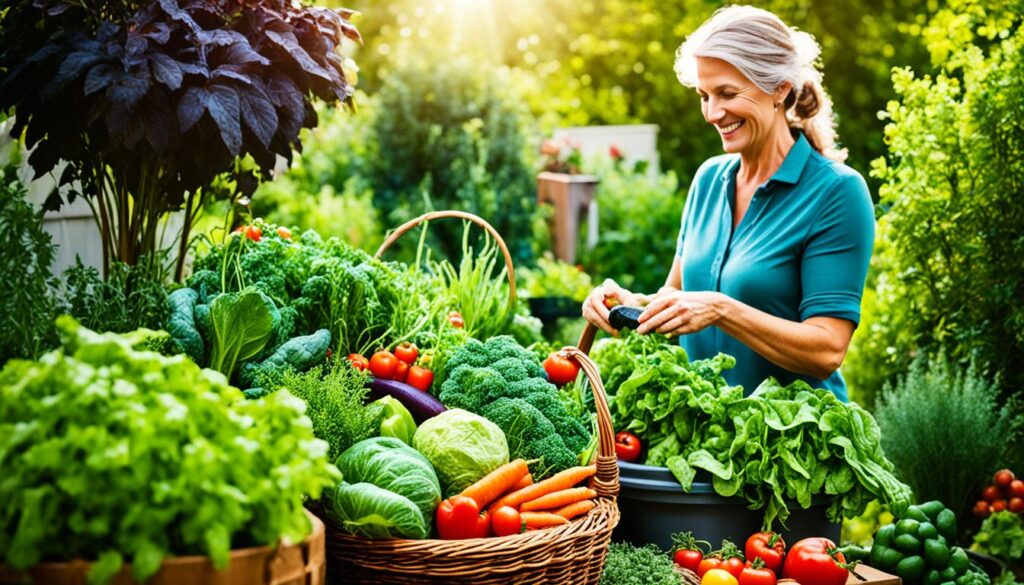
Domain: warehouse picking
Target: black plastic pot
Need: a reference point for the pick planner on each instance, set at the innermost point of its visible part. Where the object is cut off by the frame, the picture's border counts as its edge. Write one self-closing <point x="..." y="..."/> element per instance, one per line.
<point x="551" y="308"/>
<point x="654" y="505"/>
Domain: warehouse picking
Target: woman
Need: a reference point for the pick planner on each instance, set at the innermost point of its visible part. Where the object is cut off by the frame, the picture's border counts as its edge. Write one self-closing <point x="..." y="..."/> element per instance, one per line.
<point x="776" y="234"/>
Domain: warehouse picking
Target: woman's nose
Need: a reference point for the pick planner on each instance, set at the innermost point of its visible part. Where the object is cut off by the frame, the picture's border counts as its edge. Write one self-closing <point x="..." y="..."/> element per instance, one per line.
<point x="713" y="112"/>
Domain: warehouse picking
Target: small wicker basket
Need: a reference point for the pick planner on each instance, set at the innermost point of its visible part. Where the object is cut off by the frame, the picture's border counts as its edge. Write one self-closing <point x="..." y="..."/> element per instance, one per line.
<point x="571" y="554"/>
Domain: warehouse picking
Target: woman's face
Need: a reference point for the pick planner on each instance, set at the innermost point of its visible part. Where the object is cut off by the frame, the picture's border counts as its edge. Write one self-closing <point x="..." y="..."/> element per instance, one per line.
<point x="744" y="116"/>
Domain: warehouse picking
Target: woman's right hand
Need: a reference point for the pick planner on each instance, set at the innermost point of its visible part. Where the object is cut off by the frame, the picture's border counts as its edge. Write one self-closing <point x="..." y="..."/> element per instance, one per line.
<point x="602" y="298"/>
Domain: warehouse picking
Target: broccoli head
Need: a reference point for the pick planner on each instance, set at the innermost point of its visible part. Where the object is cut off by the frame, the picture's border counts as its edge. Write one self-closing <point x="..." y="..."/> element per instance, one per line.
<point x="478" y="354"/>
<point x="470" y="388"/>
<point x="573" y="433"/>
<point x="530" y="435"/>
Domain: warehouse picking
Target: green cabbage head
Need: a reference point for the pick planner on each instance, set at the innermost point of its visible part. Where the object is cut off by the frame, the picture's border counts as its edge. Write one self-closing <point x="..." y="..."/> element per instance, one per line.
<point x="462" y="446"/>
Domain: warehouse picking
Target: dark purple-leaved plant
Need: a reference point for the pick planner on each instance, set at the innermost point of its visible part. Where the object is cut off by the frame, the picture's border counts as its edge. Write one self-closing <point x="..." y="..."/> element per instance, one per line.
<point x="151" y="103"/>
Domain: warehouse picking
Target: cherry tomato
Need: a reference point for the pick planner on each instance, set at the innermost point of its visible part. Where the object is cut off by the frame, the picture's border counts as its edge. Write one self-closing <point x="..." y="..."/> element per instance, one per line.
<point x="756" y="573"/>
<point x="383" y="364"/>
<point x="627" y="447"/>
<point x="709" y="564"/>
<point x="815" y="561"/>
<point x="767" y="546"/>
<point x="734" y="566"/>
<point x="1015" y="505"/>
<point x="506" y="520"/>
<point x="998" y="505"/>
<point x="687" y="551"/>
<point x="284" y="232"/>
<point x="1017" y="488"/>
<point x="981" y="509"/>
<point x="991" y="494"/>
<point x="420" y="378"/>
<point x="455" y="318"/>
<point x="1003" y="478"/>
<point x="254" y="233"/>
<point x="560" y="370"/>
<point x="358" y="361"/>
<point x="401" y="371"/>
<point x="718" y="577"/>
<point x="407" y="352"/>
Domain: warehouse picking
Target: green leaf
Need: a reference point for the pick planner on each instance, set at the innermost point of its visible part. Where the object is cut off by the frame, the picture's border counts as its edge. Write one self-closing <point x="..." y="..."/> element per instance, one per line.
<point x="242" y="325"/>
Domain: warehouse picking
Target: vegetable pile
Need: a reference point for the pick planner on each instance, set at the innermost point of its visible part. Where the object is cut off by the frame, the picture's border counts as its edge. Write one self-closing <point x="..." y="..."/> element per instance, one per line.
<point x="117" y="454"/>
<point x="780" y="446"/>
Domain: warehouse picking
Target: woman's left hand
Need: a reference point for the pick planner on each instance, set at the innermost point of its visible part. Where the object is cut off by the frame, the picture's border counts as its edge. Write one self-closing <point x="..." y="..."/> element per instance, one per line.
<point x="676" y="312"/>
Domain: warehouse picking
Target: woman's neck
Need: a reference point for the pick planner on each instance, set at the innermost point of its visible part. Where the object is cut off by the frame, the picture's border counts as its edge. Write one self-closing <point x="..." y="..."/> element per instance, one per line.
<point x="758" y="165"/>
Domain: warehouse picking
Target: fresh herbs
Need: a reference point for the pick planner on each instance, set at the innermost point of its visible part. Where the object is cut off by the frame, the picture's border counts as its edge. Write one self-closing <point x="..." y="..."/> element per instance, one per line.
<point x="1002" y="535"/>
<point x="630" y="565"/>
<point x="554" y="278"/>
<point x="118" y="455"/>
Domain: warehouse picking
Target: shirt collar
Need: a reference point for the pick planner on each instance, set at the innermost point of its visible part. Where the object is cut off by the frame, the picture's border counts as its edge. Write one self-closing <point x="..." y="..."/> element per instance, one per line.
<point x="790" y="169"/>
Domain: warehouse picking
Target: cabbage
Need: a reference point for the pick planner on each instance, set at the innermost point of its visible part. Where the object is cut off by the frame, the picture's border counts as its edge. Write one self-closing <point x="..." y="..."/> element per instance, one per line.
<point x="374" y="512"/>
<point x="462" y="446"/>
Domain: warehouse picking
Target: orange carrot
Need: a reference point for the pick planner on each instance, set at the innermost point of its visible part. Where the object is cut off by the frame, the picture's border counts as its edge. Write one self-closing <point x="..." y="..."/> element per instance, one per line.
<point x="558" y="499"/>
<point x="496" y="483"/>
<point x="527" y="480"/>
<point x="542" y="519"/>
<point x="559" y="481"/>
<point x="576" y="509"/>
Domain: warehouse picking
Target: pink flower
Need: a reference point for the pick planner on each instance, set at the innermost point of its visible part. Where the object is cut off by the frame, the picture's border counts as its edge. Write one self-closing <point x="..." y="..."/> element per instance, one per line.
<point x="615" y="153"/>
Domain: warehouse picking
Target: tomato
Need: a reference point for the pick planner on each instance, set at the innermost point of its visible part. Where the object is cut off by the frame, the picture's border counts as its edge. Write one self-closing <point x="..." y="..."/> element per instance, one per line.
<point x="981" y="509"/>
<point x="560" y="370"/>
<point x="1017" y="488"/>
<point x="455" y="318"/>
<point x="756" y="573"/>
<point x="686" y="550"/>
<point x="506" y="520"/>
<point x="1016" y="505"/>
<point x="815" y="561"/>
<point x="358" y="361"/>
<point x="734" y="566"/>
<point x="627" y="446"/>
<point x="254" y="233"/>
<point x="401" y="371"/>
<point x="420" y="378"/>
<point x="998" y="505"/>
<point x="1003" y="478"/>
<point x="610" y="302"/>
<point x="991" y="494"/>
<point x="383" y="364"/>
<point x="709" y="564"/>
<point x="767" y="546"/>
<point x="460" y="517"/>
<point x="718" y="577"/>
<point x="284" y="232"/>
<point x="407" y="352"/>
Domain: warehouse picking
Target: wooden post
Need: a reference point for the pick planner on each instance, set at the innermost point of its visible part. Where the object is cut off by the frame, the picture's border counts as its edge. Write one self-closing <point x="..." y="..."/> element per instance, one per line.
<point x="571" y="195"/>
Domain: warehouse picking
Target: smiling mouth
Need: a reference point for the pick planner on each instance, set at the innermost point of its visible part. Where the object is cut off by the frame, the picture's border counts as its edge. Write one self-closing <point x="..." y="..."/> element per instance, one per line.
<point x="726" y="130"/>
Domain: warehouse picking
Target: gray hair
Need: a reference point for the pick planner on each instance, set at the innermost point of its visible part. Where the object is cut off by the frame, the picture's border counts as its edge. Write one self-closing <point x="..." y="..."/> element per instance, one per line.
<point x="768" y="53"/>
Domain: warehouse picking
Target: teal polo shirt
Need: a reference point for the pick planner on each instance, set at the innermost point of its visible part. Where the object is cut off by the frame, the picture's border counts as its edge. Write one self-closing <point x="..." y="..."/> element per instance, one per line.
<point x="801" y="250"/>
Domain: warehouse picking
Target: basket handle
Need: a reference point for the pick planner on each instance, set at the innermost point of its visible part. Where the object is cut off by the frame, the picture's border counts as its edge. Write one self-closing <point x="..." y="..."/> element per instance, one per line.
<point x="587" y="338"/>
<point x="606" y="481"/>
<point x="405" y="227"/>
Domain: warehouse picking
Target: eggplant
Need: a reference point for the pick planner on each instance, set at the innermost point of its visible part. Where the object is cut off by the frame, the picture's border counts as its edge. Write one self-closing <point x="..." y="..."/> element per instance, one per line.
<point x="422" y="405"/>
<point x="623" y="317"/>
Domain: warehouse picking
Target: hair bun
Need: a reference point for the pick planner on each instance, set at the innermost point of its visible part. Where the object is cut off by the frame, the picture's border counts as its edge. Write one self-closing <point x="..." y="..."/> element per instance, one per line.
<point x="807" y="101"/>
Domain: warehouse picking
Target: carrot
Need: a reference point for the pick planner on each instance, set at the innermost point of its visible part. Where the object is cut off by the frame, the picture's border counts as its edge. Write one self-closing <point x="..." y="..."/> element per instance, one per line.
<point x="527" y="480"/>
<point x="560" y="481"/>
<point x="542" y="519"/>
<point x="558" y="499"/>
<point x="576" y="509"/>
<point x="496" y="483"/>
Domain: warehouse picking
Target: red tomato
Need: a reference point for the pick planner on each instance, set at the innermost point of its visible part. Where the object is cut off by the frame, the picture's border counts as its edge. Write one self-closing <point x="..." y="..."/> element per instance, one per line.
<point x="767" y="546"/>
<point x="1017" y="488"/>
<point x="401" y="371"/>
<point x="815" y="561"/>
<point x="383" y="364"/>
<point x="718" y="577"/>
<point x="998" y="505"/>
<point x="455" y="318"/>
<point x="1016" y="505"/>
<point x="756" y="573"/>
<point x="627" y="446"/>
<point x="506" y="520"/>
<point x="407" y="352"/>
<point x="708" y="564"/>
<point x="686" y="550"/>
<point x="991" y="494"/>
<point x="420" y="378"/>
<point x="1003" y="478"/>
<point x="734" y="566"/>
<point x="560" y="370"/>
<point x="254" y="233"/>
<point x="358" y="361"/>
<point x="981" y="509"/>
<point x="284" y="232"/>
<point x="460" y="517"/>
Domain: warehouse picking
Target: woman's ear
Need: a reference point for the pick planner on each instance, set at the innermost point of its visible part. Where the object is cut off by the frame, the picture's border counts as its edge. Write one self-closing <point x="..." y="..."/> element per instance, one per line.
<point x="782" y="92"/>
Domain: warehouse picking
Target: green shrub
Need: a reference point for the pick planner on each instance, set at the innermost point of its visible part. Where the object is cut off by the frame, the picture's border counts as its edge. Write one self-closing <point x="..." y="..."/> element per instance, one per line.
<point x="944" y="430"/>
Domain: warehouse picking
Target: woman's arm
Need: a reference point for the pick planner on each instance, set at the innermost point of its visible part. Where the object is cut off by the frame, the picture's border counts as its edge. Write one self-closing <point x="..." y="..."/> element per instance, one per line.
<point x="815" y="347"/>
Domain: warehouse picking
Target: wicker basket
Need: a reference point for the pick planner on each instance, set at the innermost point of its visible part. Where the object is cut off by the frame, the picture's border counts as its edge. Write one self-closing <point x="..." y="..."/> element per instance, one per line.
<point x="298" y="564"/>
<point x="571" y="554"/>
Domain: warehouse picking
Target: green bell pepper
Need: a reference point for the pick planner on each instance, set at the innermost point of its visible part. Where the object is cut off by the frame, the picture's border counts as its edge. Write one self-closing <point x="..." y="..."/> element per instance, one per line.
<point x="916" y="513"/>
<point x="885" y="558"/>
<point x="932" y="509"/>
<point x="908" y="543"/>
<point x="958" y="560"/>
<point x="932" y="577"/>
<point x="936" y="553"/>
<point x="395" y="419"/>
<point x="853" y="553"/>
<point x="885" y="534"/>
<point x="907" y="526"/>
<point x="927" y="530"/>
<point x="910" y="568"/>
<point x="946" y="523"/>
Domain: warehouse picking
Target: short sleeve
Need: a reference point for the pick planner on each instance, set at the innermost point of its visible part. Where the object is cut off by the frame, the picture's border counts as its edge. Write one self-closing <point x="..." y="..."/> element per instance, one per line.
<point x="837" y="252"/>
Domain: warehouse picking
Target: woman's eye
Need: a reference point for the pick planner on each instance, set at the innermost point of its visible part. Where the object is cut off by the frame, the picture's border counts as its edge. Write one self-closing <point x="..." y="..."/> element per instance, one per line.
<point x="728" y="96"/>
<point x="703" y="98"/>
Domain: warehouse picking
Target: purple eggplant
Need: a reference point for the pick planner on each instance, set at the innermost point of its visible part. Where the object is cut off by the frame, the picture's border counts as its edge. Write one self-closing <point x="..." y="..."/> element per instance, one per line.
<point x="420" y="404"/>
